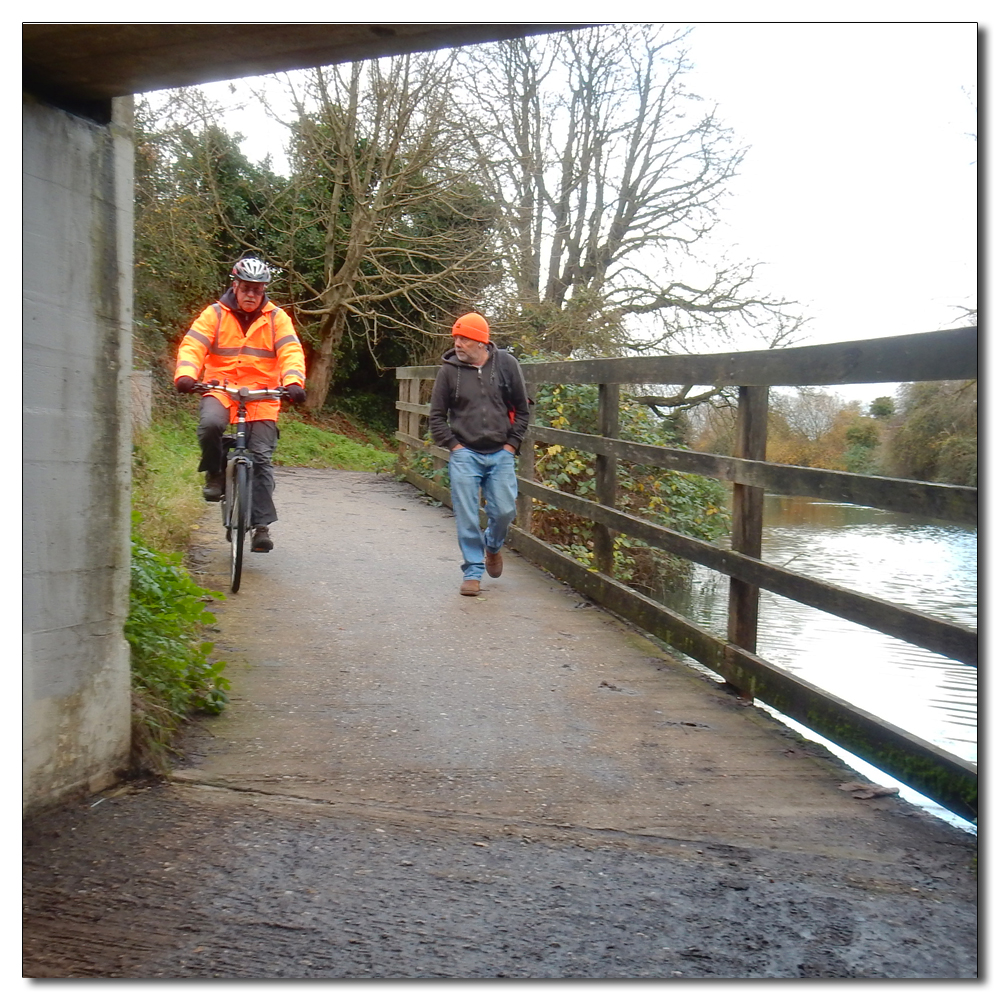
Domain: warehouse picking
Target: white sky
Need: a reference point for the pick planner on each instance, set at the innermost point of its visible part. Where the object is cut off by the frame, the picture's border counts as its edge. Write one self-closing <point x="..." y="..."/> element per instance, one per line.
<point x="859" y="187"/>
<point x="859" y="190"/>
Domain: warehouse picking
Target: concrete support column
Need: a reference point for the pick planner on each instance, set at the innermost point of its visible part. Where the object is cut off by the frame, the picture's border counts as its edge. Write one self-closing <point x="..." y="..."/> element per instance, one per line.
<point x="77" y="312"/>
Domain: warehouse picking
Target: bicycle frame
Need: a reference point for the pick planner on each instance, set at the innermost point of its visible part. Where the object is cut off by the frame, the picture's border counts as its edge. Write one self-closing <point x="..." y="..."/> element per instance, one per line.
<point x="237" y="455"/>
<point x="238" y="495"/>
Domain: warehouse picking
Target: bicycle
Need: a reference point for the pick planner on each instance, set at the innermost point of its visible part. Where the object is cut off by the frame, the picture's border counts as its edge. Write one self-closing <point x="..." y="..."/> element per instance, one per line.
<point x="238" y="497"/>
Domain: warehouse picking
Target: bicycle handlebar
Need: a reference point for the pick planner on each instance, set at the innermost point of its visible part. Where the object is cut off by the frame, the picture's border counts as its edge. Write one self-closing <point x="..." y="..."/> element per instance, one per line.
<point x="241" y="392"/>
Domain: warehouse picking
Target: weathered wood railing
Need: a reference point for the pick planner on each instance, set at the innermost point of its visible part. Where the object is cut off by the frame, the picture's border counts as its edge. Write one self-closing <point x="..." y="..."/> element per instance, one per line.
<point x="952" y="354"/>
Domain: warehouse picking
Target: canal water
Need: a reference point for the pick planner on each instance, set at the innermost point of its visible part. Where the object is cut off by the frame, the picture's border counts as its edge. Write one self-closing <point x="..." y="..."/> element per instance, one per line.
<point x="925" y="566"/>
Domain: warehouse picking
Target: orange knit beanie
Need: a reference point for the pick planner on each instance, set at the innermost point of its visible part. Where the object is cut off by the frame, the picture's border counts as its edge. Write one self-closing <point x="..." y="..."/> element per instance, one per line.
<point x="473" y="326"/>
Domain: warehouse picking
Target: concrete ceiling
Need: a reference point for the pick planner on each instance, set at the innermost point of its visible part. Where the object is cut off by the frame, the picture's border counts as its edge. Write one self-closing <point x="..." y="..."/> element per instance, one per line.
<point x="96" y="62"/>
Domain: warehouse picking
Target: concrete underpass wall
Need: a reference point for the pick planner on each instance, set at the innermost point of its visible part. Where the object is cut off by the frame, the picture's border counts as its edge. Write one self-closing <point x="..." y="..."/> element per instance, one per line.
<point x="77" y="315"/>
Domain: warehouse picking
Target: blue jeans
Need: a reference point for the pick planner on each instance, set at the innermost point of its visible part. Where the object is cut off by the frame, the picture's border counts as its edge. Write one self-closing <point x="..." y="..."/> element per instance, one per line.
<point x="494" y="474"/>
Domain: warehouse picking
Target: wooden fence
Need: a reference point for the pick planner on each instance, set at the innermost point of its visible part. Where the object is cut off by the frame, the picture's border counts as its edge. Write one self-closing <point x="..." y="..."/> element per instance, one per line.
<point x="943" y="777"/>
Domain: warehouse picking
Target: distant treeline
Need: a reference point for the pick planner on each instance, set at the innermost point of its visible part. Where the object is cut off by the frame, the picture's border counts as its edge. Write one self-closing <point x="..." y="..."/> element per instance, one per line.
<point x="929" y="431"/>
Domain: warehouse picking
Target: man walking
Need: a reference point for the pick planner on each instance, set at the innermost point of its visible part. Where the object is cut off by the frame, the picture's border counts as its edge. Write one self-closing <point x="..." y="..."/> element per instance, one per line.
<point x="479" y="412"/>
<point x="244" y="339"/>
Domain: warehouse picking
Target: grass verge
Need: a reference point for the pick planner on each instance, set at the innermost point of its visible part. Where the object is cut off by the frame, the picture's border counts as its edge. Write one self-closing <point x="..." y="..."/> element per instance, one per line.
<point x="166" y="484"/>
<point x="173" y="675"/>
<point x="306" y="443"/>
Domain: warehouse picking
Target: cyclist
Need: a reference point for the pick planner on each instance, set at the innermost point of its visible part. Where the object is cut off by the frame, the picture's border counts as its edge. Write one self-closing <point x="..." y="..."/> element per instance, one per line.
<point x="243" y="339"/>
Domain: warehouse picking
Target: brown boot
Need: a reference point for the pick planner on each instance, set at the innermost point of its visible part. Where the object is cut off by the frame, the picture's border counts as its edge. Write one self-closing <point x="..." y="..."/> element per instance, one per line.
<point x="261" y="540"/>
<point x="469" y="588"/>
<point x="494" y="563"/>
<point x="215" y="486"/>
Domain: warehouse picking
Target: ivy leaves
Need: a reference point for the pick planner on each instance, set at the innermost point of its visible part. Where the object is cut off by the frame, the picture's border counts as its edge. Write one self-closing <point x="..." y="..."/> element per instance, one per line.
<point x="172" y="675"/>
<point x="687" y="503"/>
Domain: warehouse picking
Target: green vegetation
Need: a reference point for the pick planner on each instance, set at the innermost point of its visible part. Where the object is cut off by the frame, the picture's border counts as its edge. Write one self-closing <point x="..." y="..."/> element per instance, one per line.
<point x="173" y="675"/>
<point x="307" y="445"/>
<point x="862" y="438"/>
<point x="690" y="504"/>
<point x="166" y="484"/>
<point x="936" y="436"/>
<point x="929" y="432"/>
<point x="881" y="407"/>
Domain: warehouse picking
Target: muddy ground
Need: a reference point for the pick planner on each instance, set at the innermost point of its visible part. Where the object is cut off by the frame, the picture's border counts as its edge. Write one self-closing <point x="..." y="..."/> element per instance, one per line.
<point x="410" y="784"/>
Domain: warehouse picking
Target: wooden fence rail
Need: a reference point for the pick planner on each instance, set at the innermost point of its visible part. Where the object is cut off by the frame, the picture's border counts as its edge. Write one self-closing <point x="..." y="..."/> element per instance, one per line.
<point x="951" y="354"/>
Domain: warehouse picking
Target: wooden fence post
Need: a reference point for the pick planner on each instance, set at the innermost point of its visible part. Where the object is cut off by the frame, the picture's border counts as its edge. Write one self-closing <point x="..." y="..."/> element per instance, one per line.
<point x="748" y="515"/>
<point x="401" y="415"/>
<point x="409" y="422"/>
<point x="526" y="465"/>
<point x="414" y="390"/>
<point x="606" y="475"/>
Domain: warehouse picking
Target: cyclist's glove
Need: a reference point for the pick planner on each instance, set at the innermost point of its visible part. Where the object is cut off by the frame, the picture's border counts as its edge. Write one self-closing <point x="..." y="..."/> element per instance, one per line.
<point x="296" y="394"/>
<point x="185" y="384"/>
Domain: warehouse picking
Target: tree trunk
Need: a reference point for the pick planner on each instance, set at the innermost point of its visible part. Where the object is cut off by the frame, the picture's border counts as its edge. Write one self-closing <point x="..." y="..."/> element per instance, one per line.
<point x="331" y="333"/>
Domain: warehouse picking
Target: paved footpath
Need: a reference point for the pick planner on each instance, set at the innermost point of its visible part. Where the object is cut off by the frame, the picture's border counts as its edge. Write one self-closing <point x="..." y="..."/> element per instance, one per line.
<point x="410" y="783"/>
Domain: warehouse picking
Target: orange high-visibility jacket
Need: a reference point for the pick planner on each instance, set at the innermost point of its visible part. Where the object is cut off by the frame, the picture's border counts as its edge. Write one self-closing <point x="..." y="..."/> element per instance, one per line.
<point x="269" y="355"/>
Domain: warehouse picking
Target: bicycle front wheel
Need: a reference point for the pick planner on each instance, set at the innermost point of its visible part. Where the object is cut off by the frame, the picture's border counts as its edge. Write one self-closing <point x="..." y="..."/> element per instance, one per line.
<point x="239" y="523"/>
<point x="227" y="502"/>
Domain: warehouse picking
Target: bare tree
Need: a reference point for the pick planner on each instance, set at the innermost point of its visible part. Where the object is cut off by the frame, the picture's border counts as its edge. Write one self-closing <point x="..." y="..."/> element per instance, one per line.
<point x="609" y="174"/>
<point x="383" y="229"/>
<point x="810" y="412"/>
<point x="197" y="201"/>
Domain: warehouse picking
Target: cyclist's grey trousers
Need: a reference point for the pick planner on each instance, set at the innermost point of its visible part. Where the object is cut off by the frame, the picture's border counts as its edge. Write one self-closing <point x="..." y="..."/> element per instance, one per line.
<point x="262" y="436"/>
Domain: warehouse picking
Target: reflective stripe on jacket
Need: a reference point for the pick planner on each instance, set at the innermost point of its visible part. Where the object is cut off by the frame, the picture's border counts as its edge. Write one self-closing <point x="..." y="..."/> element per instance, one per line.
<point x="269" y="355"/>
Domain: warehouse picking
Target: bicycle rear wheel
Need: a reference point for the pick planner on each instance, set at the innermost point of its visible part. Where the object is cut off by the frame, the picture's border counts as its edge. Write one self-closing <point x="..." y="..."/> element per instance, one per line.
<point x="239" y="523"/>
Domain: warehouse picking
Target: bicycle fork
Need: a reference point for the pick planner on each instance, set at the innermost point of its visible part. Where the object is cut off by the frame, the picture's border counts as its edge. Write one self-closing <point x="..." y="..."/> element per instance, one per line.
<point x="230" y="495"/>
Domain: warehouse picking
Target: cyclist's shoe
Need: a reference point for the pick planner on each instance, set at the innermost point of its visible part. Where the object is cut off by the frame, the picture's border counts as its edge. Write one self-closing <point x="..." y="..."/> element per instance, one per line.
<point x="261" y="540"/>
<point x="215" y="486"/>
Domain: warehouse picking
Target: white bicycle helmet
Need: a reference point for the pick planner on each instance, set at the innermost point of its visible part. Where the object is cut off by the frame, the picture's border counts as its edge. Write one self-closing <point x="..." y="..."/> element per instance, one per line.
<point x="252" y="269"/>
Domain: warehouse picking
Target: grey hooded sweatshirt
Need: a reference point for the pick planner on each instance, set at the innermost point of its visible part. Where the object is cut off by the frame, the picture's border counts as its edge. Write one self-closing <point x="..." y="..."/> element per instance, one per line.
<point x="473" y="406"/>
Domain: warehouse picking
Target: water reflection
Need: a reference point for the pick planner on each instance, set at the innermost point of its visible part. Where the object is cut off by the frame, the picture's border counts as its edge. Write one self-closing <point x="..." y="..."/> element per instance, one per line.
<point x="926" y="566"/>
<point x="929" y="567"/>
